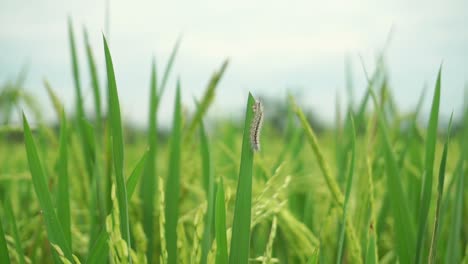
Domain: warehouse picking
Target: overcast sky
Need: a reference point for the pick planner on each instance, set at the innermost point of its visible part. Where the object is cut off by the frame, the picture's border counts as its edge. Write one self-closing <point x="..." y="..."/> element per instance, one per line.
<point x="272" y="47"/>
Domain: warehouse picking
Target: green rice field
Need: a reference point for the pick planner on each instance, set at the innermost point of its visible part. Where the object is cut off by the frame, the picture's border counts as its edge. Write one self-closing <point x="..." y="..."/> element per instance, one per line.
<point x="379" y="186"/>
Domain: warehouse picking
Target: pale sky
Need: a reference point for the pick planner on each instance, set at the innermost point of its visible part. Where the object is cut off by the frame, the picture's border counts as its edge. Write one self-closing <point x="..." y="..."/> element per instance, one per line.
<point x="273" y="46"/>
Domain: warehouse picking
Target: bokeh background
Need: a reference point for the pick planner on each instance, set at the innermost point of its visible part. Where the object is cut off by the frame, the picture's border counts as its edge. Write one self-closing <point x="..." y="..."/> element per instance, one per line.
<point x="304" y="47"/>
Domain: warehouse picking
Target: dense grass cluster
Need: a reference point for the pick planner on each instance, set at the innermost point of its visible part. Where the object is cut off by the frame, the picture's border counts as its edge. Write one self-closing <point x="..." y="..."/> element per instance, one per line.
<point x="380" y="187"/>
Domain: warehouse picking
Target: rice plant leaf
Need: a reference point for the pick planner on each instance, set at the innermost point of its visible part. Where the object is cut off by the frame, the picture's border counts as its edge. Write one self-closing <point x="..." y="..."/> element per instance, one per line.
<point x="371" y="254"/>
<point x="149" y="183"/>
<point x="208" y="184"/>
<point x="440" y="191"/>
<point x="453" y="251"/>
<point x="89" y="141"/>
<point x="99" y="250"/>
<point x="63" y="195"/>
<point x="220" y="226"/>
<point x="117" y="147"/>
<point x="4" y="256"/>
<point x="53" y="226"/>
<point x="168" y="69"/>
<point x="173" y="182"/>
<point x="76" y="71"/>
<point x="92" y="164"/>
<point x="350" y="130"/>
<point x="240" y="242"/>
<point x="11" y="219"/>
<point x="134" y="177"/>
<point x="404" y="225"/>
<point x="94" y="81"/>
<point x="207" y="99"/>
<point x="426" y="192"/>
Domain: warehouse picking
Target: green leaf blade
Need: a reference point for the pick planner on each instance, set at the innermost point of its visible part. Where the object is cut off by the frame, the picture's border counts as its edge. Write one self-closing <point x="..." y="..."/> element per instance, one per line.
<point x="220" y="226"/>
<point x="349" y="184"/>
<point x="149" y="183"/>
<point x="404" y="225"/>
<point x="173" y="182"/>
<point x="94" y="81"/>
<point x="440" y="191"/>
<point x="11" y="218"/>
<point x="63" y="195"/>
<point x="426" y="192"/>
<point x="54" y="229"/>
<point x="117" y="147"/>
<point x="208" y="184"/>
<point x="240" y="242"/>
<point x="4" y="256"/>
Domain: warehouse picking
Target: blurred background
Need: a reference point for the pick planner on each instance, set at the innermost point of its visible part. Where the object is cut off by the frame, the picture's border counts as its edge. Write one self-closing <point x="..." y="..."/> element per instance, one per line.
<point x="305" y="47"/>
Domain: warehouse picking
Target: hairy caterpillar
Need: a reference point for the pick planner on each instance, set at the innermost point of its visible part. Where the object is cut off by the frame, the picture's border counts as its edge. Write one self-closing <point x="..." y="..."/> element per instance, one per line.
<point x="256" y="125"/>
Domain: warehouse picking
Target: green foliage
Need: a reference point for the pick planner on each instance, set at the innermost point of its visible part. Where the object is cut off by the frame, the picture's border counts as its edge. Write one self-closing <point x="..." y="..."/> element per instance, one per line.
<point x="149" y="182"/>
<point x="173" y="182"/>
<point x="404" y="226"/>
<point x="117" y="147"/>
<point x="361" y="193"/>
<point x="63" y="194"/>
<point x="11" y="218"/>
<point x="208" y="185"/>
<point x="4" y="256"/>
<point x="220" y="226"/>
<point x="428" y="171"/>
<point x="240" y="242"/>
<point x="54" y="228"/>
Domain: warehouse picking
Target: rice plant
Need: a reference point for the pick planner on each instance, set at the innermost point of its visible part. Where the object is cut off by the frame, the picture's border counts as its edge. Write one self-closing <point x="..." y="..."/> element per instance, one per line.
<point x="362" y="191"/>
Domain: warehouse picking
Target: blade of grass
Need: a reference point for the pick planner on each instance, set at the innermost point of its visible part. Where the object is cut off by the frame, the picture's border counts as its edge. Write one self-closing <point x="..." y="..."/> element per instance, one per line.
<point x="440" y="190"/>
<point x="4" y="256"/>
<point x="426" y="192"/>
<point x="453" y="250"/>
<point x="99" y="251"/>
<point x="168" y="69"/>
<point x="208" y="184"/>
<point x="76" y="72"/>
<point x="88" y="155"/>
<point x="135" y="176"/>
<point x="371" y="254"/>
<point x="220" y="225"/>
<point x="117" y="148"/>
<point x="63" y="195"/>
<point x="349" y="184"/>
<point x="173" y="182"/>
<point x="11" y="218"/>
<point x="54" y="228"/>
<point x="94" y="81"/>
<point x="240" y="242"/>
<point x="96" y="210"/>
<point x="149" y="183"/>
<point x="404" y="226"/>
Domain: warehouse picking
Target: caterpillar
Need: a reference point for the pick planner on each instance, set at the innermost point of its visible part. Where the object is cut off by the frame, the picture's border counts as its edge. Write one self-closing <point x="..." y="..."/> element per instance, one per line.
<point x="256" y="125"/>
